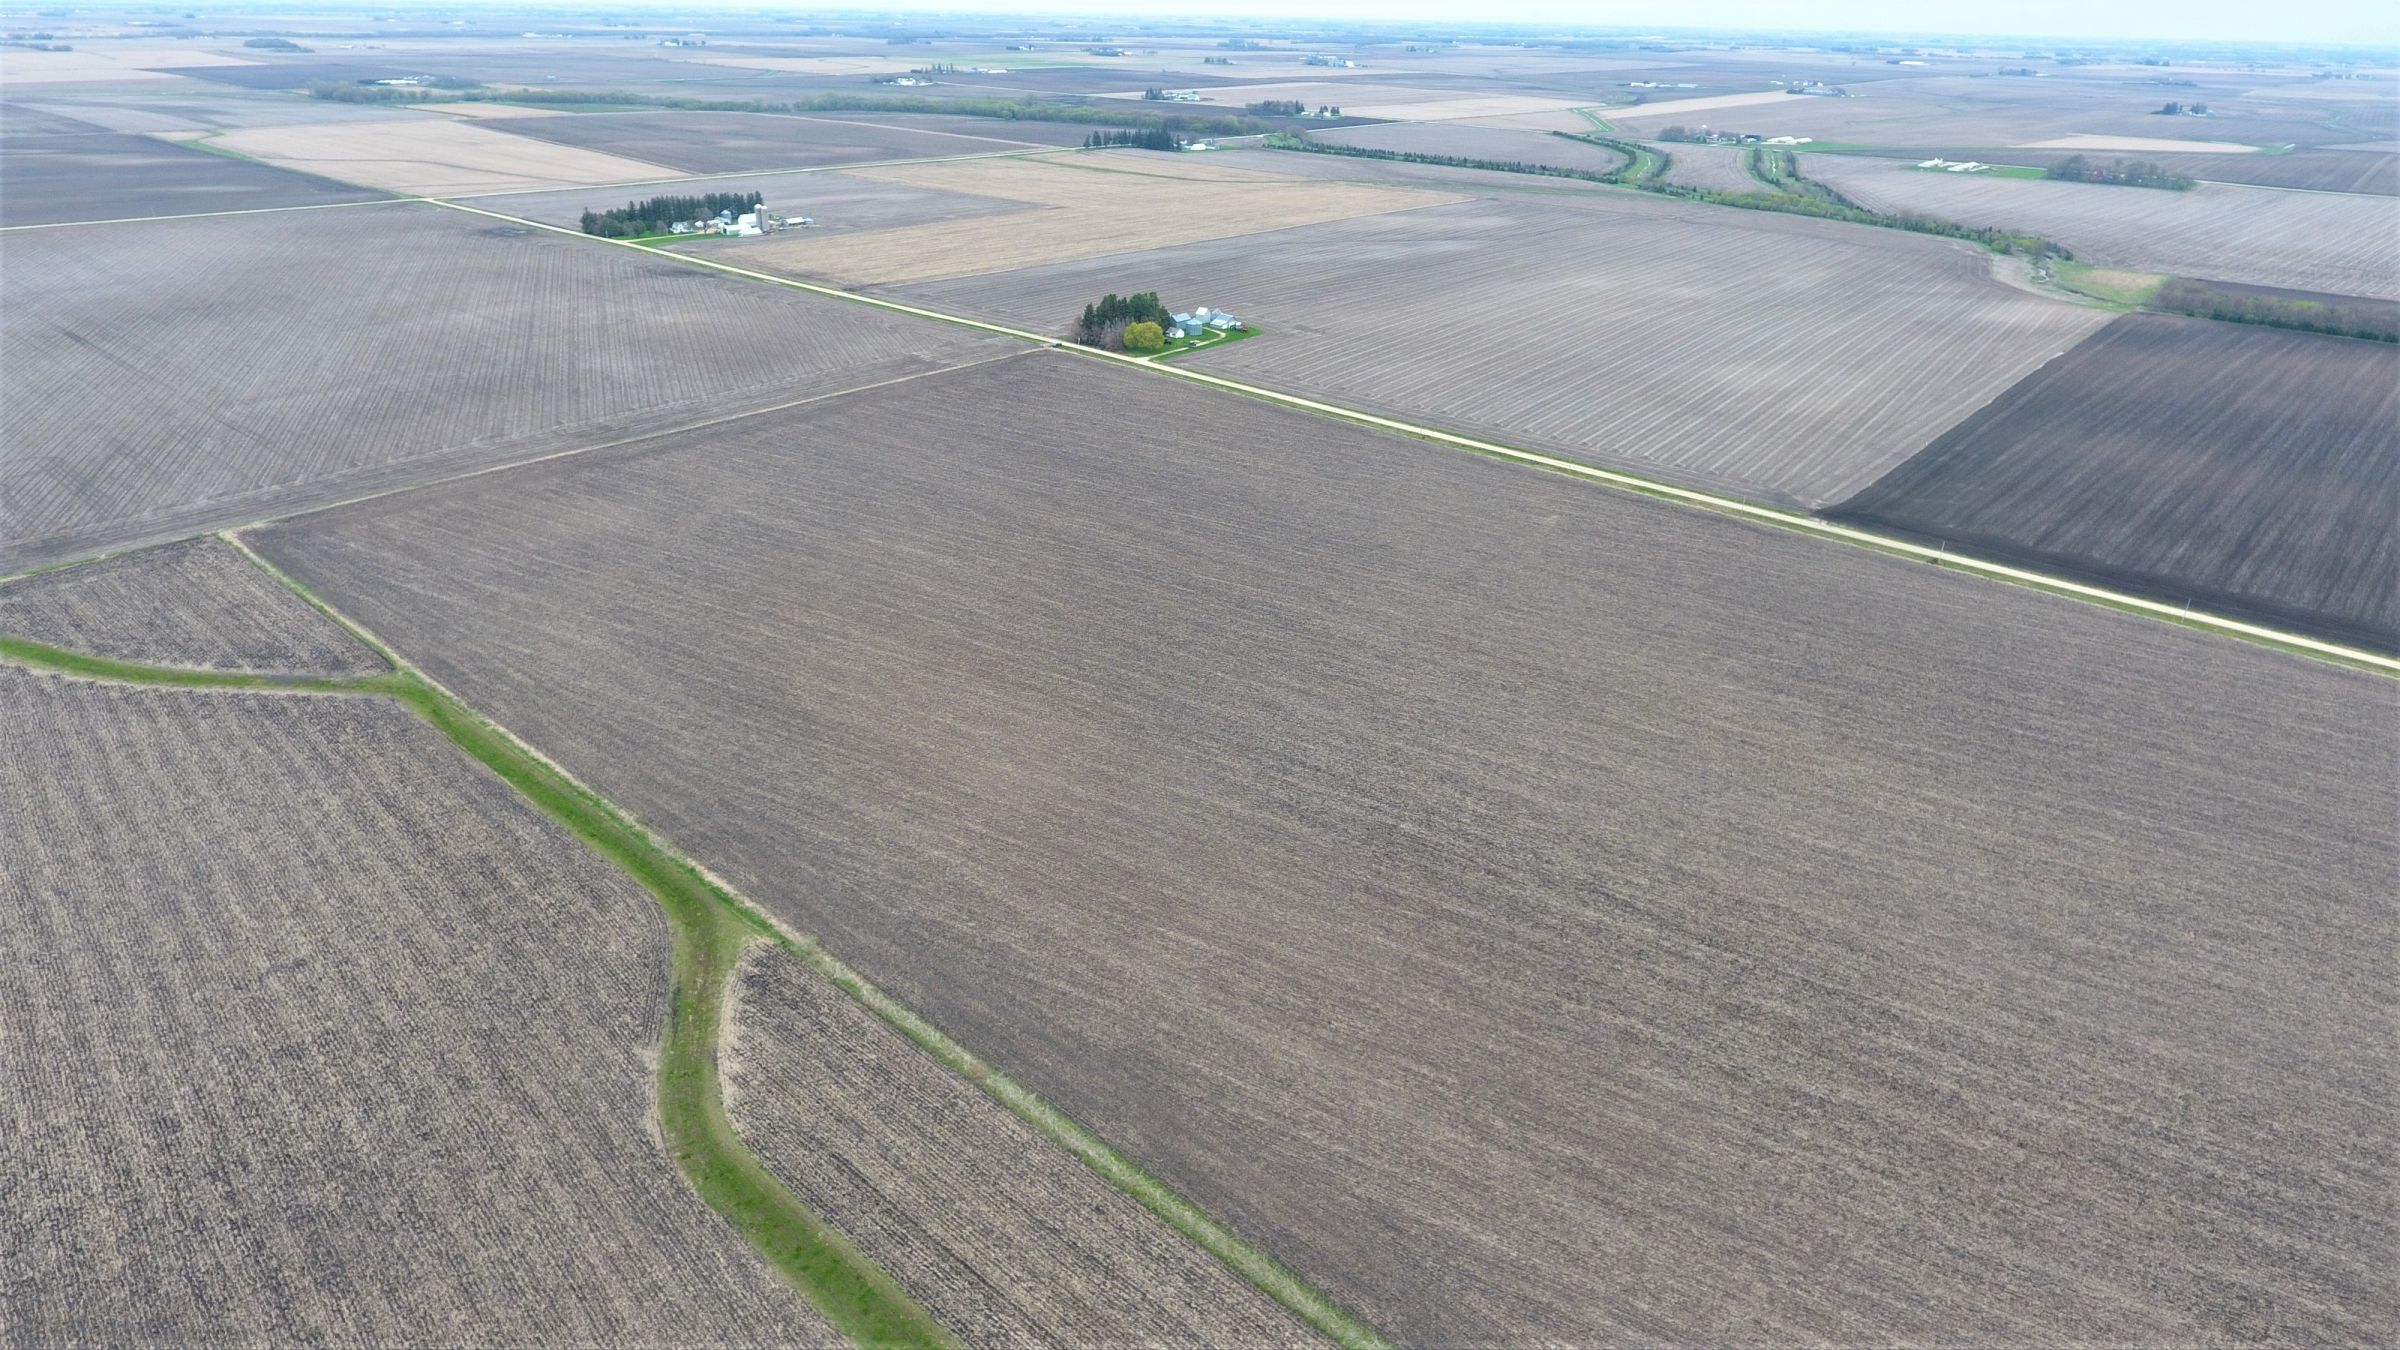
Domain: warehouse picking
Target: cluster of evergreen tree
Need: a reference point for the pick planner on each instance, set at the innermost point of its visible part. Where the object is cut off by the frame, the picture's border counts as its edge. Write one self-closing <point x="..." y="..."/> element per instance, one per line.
<point x="1104" y="323"/>
<point x="657" y="213"/>
<point x="1145" y="138"/>
<point x="2124" y="173"/>
<point x="1279" y="107"/>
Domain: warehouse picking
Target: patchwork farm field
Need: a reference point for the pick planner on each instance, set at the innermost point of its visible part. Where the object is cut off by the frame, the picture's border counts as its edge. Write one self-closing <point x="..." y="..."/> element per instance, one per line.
<point x="2245" y="469"/>
<point x="272" y="956"/>
<point x="196" y="604"/>
<point x="49" y="179"/>
<point x="1094" y="205"/>
<point x="436" y="156"/>
<point x="252" y="373"/>
<point x="2313" y="241"/>
<point x="1005" y="1237"/>
<point x="716" y="142"/>
<point x="1767" y="355"/>
<point x="1475" y="885"/>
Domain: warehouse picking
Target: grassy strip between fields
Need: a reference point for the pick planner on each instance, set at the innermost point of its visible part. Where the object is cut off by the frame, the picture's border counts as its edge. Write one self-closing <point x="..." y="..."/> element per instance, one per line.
<point x="710" y="929"/>
<point x="715" y="922"/>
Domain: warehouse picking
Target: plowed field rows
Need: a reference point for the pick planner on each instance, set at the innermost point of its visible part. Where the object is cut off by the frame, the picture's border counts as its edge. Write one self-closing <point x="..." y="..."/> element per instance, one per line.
<point x="1712" y="168"/>
<point x="2311" y="241"/>
<point x="719" y="142"/>
<point x="1762" y="354"/>
<point x="318" y="1033"/>
<point x="435" y="156"/>
<point x="251" y="371"/>
<point x="197" y="604"/>
<point x="1535" y="913"/>
<point x="2246" y="469"/>
<point x="49" y="179"/>
<point x="1004" y="1237"/>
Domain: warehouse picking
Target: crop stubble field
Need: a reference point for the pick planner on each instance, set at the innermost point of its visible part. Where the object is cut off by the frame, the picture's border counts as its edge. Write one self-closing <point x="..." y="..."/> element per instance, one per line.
<point x="1477" y="886"/>
<point x="317" y="1032"/>
<point x="1091" y="205"/>
<point x="2247" y="469"/>
<point x="1765" y="355"/>
<point x="2345" y="244"/>
<point x="251" y="374"/>
<point x="197" y="604"/>
<point x="435" y="156"/>
<point x="1001" y="1234"/>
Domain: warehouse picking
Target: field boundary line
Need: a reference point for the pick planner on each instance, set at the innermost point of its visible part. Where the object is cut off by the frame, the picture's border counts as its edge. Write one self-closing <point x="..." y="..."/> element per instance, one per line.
<point x="206" y="215"/>
<point x="1709" y="501"/>
<point x="710" y="931"/>
<point x="1248" y="1261"/>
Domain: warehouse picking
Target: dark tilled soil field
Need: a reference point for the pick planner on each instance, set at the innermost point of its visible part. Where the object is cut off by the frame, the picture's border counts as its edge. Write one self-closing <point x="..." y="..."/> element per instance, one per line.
<point x="2245" y="469"/>
<point x="709" y="142"/>
<point x="1536" y="913"/>
<point x="198" y="604"/>
<point x="319" y="1034"/>
<point x="254" y="371"/>
<point x="47" y="179"/>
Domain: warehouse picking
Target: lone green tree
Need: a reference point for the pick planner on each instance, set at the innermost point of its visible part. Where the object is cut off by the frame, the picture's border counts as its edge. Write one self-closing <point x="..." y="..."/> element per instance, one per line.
<point x="1144" y="337"/>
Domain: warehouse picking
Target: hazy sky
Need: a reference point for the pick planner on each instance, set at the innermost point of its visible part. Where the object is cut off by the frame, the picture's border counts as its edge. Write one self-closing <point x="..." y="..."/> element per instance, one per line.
<point x="2363" y="22"/>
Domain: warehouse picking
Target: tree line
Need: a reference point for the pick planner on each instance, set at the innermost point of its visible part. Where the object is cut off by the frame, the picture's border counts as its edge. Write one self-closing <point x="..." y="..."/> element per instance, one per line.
<point x="2124" y="173"/>
<point x="1645" y="170"/>
<point x="654" y="215"/>
<point x="2339" y="316"/>
<point x="1148" y="138"/>
<point x="1030" y="108"/>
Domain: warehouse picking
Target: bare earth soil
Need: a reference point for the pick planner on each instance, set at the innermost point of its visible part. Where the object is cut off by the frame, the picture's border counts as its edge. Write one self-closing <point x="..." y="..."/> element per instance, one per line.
<point x="2246" y="469"/>
<point x="1765" y="355"/>
<point x="1536" y="913"/>
<point x="252" y="372"/>
<point x="436" y="156"/>
<point x="1094" y="205"/>
<point x="318" y="1033"/>
<point x="1001" y="1234"/>
<point x="198" y="604"/>
<point x="47" y="179"/>
<point x="2318" y="241"/>
<point x="719" y="142"/>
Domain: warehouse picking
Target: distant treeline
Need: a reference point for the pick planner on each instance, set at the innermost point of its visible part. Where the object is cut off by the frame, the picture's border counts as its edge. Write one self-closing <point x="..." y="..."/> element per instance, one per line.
<point x="1288" y="141"/>
<point x="1279" y="107"/>
<point x="448" y="88"/>
<point x="1148" y="138"/>
<point x="2135" y="173"/>
<point x="1645" y="169"/>
<point x="2339" y="316"/>
<point x="1027" y="109"/>
<point x="654" y="215"/>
